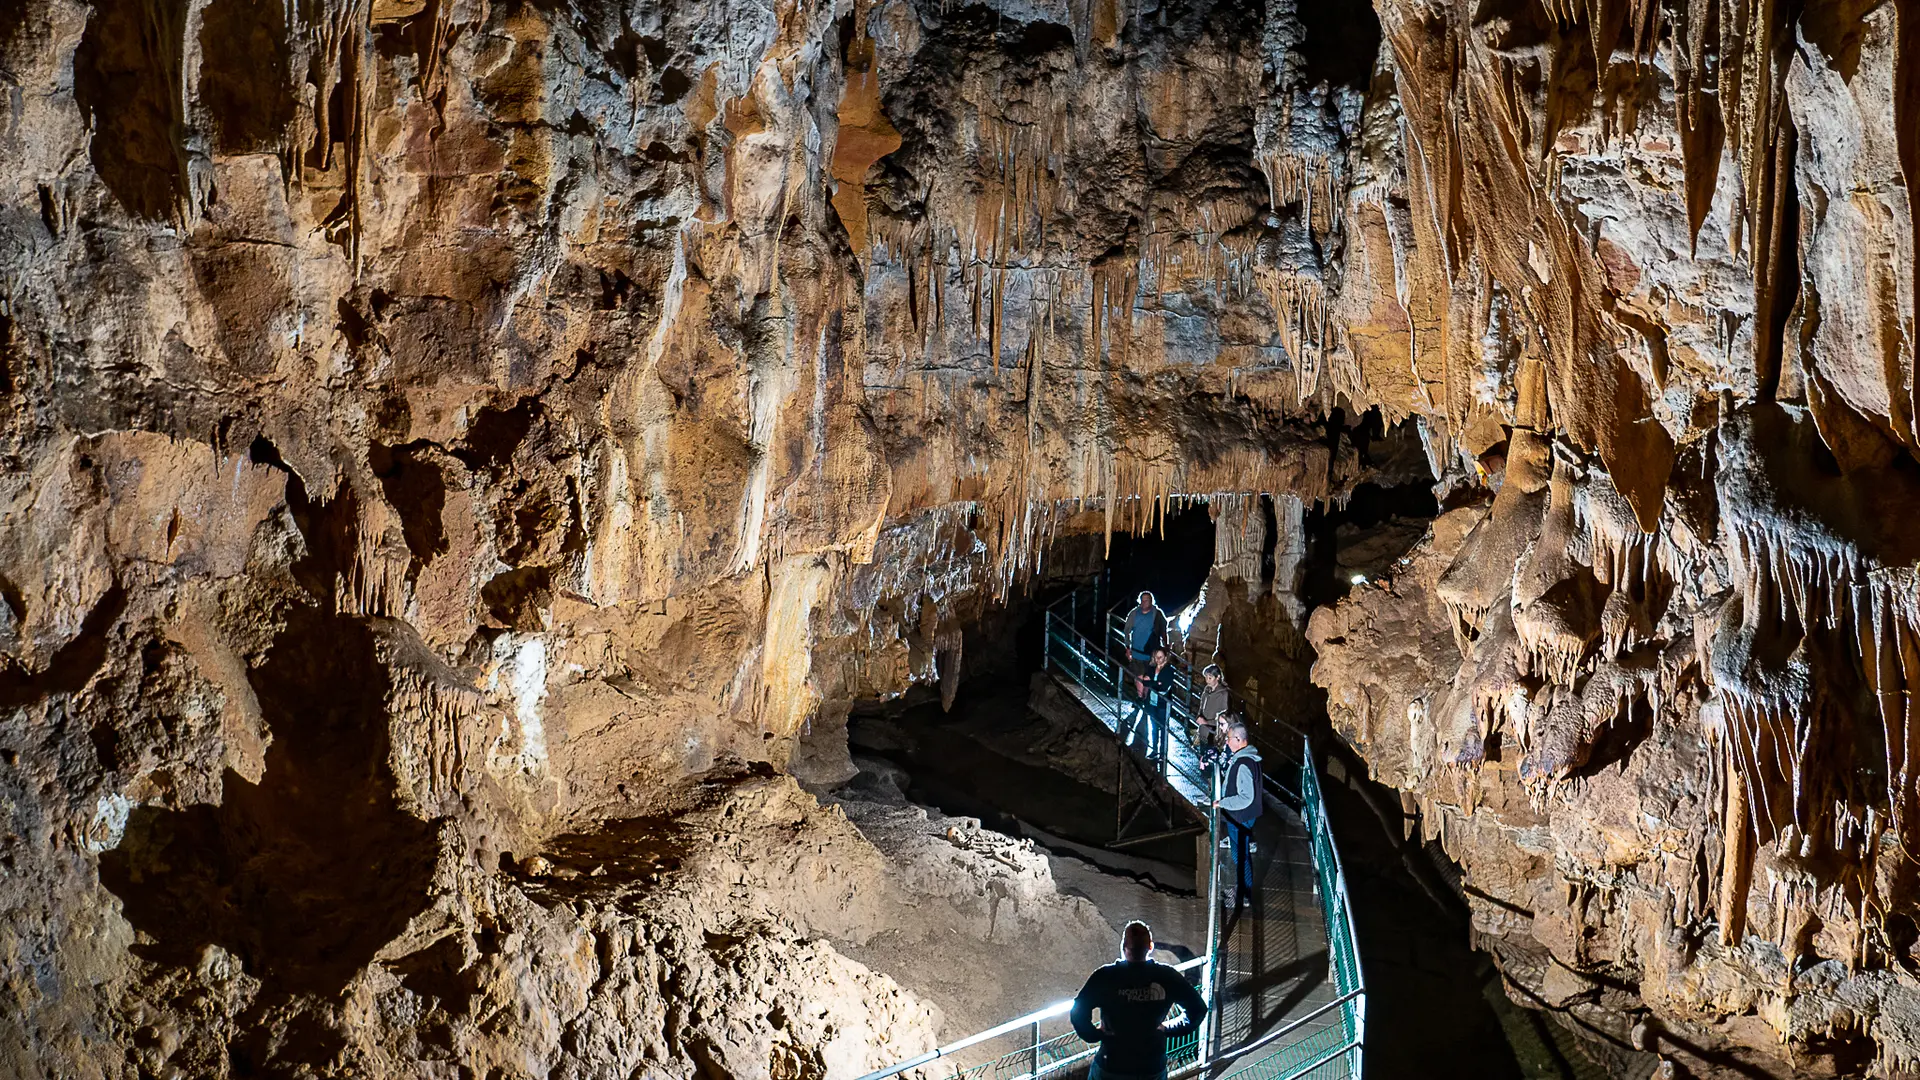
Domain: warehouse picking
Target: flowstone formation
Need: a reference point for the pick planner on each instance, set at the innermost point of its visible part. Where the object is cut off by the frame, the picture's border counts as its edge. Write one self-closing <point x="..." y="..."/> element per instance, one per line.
<point x="460" y="458"/>
<point x="1650" y="678"/>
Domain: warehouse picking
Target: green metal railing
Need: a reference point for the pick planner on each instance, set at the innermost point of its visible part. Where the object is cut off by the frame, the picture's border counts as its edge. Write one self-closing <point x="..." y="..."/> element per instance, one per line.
<point x="1348" y="1037"/>
<point x="1027" y="1053"/>
<point x="1088" y="645"/>
<point x="1077" y="657"/>
<point x="1275" y="737"/>
<point x="1325" y="1044"/>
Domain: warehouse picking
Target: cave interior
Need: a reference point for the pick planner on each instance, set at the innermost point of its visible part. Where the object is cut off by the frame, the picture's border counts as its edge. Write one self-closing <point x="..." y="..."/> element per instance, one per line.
<point x="534" y="532"/>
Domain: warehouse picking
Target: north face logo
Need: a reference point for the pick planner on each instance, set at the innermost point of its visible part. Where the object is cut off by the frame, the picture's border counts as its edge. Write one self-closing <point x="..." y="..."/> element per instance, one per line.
<point x="1152" y="992"/>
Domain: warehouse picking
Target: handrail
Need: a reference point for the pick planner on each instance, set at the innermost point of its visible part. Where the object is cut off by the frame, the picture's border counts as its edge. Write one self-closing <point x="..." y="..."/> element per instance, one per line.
<point x="1088" y="653"/>
<point x="1085" y="662"/>
<point x="1114" y="628"/>
<point x="1046" y="1012"/>
<point x="1307" y="1069"/>
<point x="1287" y="1029"/>
<point x="1210" y="978"/>
<point x="1178" y="656"/>
<point x="1182" y="705"/>
<point x="1340" y="905"/>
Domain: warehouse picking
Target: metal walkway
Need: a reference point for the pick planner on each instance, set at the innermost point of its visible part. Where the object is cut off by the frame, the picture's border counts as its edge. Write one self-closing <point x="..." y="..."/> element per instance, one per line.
<point x="1282" y="975"/>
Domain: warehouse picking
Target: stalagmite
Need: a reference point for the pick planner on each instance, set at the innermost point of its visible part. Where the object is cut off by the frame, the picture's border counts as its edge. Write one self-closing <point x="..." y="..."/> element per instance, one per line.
<point x="1736" y="859"/>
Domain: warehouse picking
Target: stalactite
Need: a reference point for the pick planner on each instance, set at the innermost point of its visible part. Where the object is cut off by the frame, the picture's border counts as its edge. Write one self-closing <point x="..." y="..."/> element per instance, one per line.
<point x="1298" y="302"/>
<point x="435" y="757"/>
<point x="1239" y="533"/>
<point x="997" y="301"/>
<point x="1310" y="179"/>
<point x="375" y="580"/>
<point x="339" y="44"/>
<point x="1906" y="126"/>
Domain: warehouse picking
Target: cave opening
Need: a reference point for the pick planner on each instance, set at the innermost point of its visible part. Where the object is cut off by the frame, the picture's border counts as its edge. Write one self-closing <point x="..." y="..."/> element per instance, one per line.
<point x="1358" y="542"/>
<point x="992" y="755"/>
<point x="1006" y="751"/>
<point x="1342" y="42"/>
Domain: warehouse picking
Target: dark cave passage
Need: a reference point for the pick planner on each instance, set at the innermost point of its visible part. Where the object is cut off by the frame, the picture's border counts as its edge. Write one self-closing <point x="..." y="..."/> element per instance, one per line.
<point x="1171" y="562"/>
<point x="1002" y="754"/>
<point x="1352" y="544"/>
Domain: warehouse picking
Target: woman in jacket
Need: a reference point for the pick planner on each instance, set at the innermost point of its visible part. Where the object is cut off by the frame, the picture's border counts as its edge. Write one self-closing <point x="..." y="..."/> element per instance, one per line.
<point x="1209" y="714"/>
<point x="1161" y="681"/>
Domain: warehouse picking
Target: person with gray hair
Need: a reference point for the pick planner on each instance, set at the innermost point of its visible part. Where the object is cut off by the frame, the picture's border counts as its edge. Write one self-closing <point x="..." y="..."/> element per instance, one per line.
<point x="1134" y="996"/>
<point x="1239" y="805"/>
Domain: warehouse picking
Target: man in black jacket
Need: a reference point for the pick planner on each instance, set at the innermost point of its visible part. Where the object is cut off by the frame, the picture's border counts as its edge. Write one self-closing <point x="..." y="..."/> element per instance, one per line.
<point x="1134" y="996"/>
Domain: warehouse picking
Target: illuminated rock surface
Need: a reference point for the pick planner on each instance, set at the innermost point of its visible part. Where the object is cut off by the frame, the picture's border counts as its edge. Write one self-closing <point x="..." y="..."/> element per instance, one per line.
<point x="463" y="461"/>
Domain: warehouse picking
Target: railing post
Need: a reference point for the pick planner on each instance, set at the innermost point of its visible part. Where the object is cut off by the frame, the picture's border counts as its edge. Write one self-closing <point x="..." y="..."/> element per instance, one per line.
<point x="1209" y="973"/>
<point x="1035" y="1071"/>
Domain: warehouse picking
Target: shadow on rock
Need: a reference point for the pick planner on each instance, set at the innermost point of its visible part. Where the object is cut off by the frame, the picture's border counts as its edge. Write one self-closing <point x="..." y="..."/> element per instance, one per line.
<point x="307" y="874"/>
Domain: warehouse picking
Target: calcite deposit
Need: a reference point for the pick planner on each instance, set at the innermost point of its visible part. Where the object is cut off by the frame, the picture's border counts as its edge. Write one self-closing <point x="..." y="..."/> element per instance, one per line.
<point x="1648" y="680"/>
<point x="460" y="456"/>
<point x="463" y="460"/>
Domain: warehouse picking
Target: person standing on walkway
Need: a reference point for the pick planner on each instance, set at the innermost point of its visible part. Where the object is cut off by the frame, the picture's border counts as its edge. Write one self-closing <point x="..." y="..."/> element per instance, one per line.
<point x="1134" y="996"/>
<point x="1160" y="682"/>
<point x="1210" y="715"/>
<point x="1146" y="629"/>
<point x="1240" y="805"/>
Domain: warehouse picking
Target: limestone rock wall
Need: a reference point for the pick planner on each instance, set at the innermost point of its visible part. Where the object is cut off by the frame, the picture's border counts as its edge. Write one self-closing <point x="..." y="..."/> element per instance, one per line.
<point x="438" y="431"/>
<point x="1643" y="274"/>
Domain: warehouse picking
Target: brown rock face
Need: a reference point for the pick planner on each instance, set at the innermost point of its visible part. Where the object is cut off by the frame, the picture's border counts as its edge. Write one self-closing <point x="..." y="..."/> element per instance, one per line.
<point x="441" y="436"/>
<point x="1646" y="682"/>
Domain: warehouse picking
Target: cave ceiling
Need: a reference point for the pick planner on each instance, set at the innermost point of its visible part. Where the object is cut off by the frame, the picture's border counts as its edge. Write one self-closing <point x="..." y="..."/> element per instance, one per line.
<point x="432" y="427"/>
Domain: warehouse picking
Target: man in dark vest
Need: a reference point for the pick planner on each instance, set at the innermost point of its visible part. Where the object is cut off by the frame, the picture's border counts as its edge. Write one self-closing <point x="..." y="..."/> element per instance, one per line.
<point x="1134" y="996"/>
<point x="1240" y="805"/>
